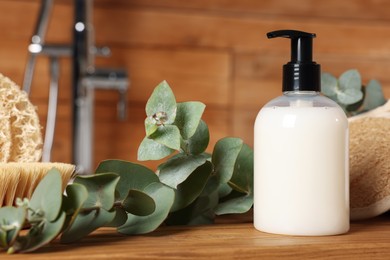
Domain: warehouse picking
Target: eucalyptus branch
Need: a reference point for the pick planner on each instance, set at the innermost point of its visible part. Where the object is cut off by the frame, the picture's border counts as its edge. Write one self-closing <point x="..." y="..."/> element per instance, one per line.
<point x="192" y="186"/>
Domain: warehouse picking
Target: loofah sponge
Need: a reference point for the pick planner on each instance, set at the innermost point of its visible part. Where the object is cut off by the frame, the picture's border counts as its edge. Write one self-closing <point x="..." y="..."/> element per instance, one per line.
<point x="21" y="146"/>
<point x="370" y="163"/>
<point x="20" y="131"/>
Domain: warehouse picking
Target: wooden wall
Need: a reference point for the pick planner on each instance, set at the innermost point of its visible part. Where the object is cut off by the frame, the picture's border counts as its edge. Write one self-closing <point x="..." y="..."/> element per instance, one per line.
<point x="214" y="51"/>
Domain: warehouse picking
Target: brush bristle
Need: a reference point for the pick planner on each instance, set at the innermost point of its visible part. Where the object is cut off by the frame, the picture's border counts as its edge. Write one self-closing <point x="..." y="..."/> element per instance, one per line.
<point x="19" y="180"/>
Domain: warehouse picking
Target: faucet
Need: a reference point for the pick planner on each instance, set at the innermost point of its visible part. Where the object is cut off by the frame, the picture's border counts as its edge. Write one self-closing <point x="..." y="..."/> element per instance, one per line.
<point x="86" y="79"/>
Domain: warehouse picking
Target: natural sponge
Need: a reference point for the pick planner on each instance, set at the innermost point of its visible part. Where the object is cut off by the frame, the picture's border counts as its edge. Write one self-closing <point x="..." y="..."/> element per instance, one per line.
<point x="20" y="131"/>
<point x="370" y="163"/>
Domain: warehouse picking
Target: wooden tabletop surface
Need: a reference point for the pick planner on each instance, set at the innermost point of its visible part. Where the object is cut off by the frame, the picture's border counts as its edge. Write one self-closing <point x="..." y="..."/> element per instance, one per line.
<point x="366" y="240"/>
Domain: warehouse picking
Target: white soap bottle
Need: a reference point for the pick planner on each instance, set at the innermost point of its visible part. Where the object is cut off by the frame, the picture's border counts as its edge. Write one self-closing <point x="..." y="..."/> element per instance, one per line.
<point x="301" y="173"/>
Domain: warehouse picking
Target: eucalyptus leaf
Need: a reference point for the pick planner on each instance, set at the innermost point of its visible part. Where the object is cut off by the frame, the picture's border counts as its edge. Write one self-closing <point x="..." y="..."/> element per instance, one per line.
<point x="101" y="189"/>
<point x="192" y="187"/>
<point x="201" y="211"/>
<point x="163" y="197"/>
<point x="349" y="96"/>
<point x="177" y="169"/>
<point x="329" y="84"/>
<point x="11" y="222"/>
<point x="224" y="157"/>
<point x="150" y="126"/>
<point x="162" y="103"/>
<point x="138" y="203"/>
<point x="199" y="141"/>
<point x="85" y="223"/>
<point x="242" y="184"/>
<point x="76" y="195"/>
<point x="354" y="108"/>
<point x="132" y="176"/>
<point x="152" y="150"/>
<point x="119" y="219"/>
<point x="242" y="178"/>
<point x="47" y="197"/>
<point x="235" y="206"/>
<point x="374" y="96"/>
<point x="350" y="79"/>
<point x="167" y="135"/>
<point x="224" y="190"/>
<point x="188" y="117"/>
<point x="49" y="232"/>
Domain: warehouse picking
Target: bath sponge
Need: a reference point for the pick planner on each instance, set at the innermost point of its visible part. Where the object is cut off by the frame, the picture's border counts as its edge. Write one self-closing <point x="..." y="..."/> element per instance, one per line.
<point x="20" y="131"/>
<point x="370" y="163"/>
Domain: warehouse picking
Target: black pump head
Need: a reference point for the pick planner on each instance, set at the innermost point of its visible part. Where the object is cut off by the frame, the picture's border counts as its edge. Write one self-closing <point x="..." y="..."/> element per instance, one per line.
<point x="301" y="73"/>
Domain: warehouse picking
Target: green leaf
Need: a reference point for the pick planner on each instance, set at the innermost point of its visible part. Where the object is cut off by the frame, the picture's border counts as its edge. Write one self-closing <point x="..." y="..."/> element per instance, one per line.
<point x="76" y="195"/>
<point x="328" y="84"/>
<point x="192" y="187"/>
<point x="374" y="96"/>
<point x="349" y="89"/>
<point x="162" y="104"/>
<point x="235" y="206"/>
<point x="150" y="126"/>
<point x="242" y="184"/>
<point x="349" y="96"/>
<point x="198" y="143"/>
<point x="353" y="108"/>
<point x="138" y="203"/>
<point x="97" y="209"/>
<point x="47" y="197"/>
<point x="201" y="211"/>
<point x="11" y="222"/>
<point x="167" y="135"/>
<point x="135" y="176"/>
<point x="350" y="80"/>
<point x="49" y="232"/>
<point x="224" y="157"/>
<point x="163" y="197"/>
<point x="85" y="223"/>
<point x="188" y="117"/>
<point x="119" y="219"/>
<point x="132" y="176"/>
<point x="177" y="169"/>
<point x="101" y="189"/>
<point x="242" y="178"/>
<point x="152" y="150"/>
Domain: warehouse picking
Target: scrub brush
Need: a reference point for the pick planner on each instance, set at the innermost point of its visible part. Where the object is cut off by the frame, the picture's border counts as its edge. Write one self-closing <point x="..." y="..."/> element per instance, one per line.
<point x="19" y="180"/>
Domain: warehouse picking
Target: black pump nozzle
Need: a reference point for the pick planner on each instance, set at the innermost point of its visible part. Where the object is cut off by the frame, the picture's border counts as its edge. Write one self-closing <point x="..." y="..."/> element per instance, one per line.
<point x="301" y="73"/>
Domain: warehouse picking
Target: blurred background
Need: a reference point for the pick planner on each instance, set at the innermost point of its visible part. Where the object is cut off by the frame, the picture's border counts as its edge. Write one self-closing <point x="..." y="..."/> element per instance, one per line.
<point x="213" y="51"/>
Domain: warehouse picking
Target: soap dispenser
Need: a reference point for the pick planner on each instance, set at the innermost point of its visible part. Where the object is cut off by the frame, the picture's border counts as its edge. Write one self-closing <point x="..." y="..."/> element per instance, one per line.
<point x="301" y="174"/>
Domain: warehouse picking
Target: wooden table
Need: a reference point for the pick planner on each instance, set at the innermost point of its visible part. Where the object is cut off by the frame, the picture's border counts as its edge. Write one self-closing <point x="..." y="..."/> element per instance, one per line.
<point x="366" y="240"/>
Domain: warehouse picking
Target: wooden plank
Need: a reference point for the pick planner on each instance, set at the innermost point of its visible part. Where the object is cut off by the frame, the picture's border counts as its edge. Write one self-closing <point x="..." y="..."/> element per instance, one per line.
<point x="331" y="9"/>
<point x="193" y="74"/>
<point x="243" y="124"/>
<point x="199" y="29"/>
<point x="170" y="28"/>
<point x="365" y="240"/>
<point x="18" y="19"/>
<point x="173" y="28"/>
<point x="348" y="9"/>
